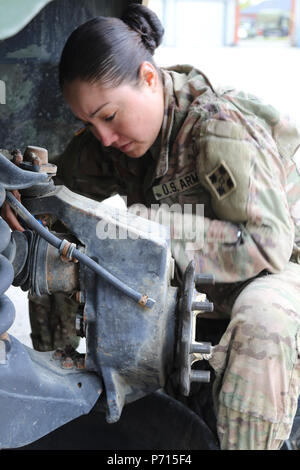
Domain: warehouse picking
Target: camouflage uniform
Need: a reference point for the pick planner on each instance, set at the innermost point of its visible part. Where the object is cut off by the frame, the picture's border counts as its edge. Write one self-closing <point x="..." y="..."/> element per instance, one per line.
<point x="232" y="153"/>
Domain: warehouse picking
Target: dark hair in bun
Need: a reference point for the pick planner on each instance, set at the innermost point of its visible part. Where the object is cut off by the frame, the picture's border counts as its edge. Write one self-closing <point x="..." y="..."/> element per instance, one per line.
<point x="111" y="50"/>
<point x="146" y="24"/>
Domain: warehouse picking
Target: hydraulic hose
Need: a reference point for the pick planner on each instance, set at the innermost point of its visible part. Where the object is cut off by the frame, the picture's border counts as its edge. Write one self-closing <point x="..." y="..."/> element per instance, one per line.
<point x="71" y="251"/>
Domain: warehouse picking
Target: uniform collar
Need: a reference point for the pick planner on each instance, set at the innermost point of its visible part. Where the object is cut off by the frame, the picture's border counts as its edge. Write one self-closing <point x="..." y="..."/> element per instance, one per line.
<point x="161" y="145"/>
<point x="182" y="84"/>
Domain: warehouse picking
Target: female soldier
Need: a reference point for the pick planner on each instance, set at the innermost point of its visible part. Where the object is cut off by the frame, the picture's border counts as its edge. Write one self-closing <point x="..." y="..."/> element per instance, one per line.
<point x="167" y="136"/>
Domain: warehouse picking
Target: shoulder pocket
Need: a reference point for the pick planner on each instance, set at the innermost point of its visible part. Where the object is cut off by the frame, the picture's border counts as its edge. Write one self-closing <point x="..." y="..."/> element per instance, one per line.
<point x="225" y="156"/>
<point x="220" y="128"/>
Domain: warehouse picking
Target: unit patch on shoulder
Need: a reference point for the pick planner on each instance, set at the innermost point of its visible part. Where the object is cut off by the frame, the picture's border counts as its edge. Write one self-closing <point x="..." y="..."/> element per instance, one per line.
<point x="178" y="185"/>
<point x="221" y="181"/>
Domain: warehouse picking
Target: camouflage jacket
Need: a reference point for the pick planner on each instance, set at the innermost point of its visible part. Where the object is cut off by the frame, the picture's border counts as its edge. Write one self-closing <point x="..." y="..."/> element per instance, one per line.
<point x="221" y="148"/>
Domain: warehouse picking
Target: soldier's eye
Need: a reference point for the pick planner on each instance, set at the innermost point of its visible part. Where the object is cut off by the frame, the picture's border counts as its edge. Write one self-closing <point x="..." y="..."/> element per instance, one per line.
<point x="111" y="117"/>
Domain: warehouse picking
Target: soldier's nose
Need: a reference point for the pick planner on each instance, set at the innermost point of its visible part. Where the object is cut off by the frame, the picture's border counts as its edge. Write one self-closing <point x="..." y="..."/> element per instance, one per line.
<point x="106" y="136"/>
<point x="108" y="140"/>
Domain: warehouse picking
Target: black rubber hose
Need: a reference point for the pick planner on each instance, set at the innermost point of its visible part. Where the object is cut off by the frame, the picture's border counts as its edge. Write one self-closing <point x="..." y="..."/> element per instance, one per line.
<point x="84" y="259"/>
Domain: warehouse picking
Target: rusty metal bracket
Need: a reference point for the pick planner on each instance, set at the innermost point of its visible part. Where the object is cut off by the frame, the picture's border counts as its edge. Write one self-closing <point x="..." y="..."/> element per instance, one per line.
<point x="72" y="251"/>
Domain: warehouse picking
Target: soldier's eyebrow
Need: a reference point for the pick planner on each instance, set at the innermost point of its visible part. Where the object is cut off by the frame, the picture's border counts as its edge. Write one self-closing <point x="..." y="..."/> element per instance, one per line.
<point x="98" y="109"/>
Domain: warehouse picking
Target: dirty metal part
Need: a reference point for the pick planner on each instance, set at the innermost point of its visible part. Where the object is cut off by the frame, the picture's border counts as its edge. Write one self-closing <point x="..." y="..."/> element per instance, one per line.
<point x="189" y="350"/>
<point x="58" y="354"/>
<point x="17" y="156"/>
<point x="204" y="279"/>
<point x="80" y="363"/>
<point x="39" y="396"/>
<point x="69" y="358"/>
<point x="202" y="306"/>
<point x="35" y="159"/>
<point x="134" y="351"/>
<point x="79" y="296"/>
<point x="67" y="363"/>
<point x="31" y="161"/>
<point x="5" y="346"/>
<point x="60" y="245"/>
<point x="131" y="352"/>
<point x="29" y="183"/>
<point x="143" y="300"/>
<point x="67" y="248"/>
<point x="130" y="347"/>
<point x="2" y="352"/>
<point x="80" y="321"/>
<point x="38" y="266"/>
<point x="38" y="156"/>
<point x="31" y="385"/>
<point x="61" y="276"/>
<point x="39" y="152"/>
<point x="7" y="310"/>
<point x="13" y="177"/>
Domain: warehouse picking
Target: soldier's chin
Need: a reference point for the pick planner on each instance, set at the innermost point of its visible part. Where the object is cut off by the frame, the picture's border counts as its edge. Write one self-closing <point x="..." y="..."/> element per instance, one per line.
<point x="135" y="151"/>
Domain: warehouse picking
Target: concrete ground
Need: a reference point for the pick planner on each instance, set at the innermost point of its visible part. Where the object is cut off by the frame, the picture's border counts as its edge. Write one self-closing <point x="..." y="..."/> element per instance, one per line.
<point x="269" y="69"/>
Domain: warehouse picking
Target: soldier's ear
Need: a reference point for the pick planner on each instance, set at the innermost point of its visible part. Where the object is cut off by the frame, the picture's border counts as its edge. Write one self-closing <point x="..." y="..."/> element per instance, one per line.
<point x="148" y="75"/>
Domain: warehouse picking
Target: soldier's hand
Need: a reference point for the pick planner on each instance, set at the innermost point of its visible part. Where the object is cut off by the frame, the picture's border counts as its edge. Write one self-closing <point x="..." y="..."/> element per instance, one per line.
<point x="9" y="215"/>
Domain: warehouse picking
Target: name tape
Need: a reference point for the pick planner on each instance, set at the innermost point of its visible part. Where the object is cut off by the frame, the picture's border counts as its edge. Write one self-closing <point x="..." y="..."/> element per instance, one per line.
<point x="175" y="186"/>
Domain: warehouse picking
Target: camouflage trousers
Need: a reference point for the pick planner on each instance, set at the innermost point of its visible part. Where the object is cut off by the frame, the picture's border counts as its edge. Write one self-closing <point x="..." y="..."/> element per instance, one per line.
<point x="52" y="320"/>
<point x="257" y="364"/>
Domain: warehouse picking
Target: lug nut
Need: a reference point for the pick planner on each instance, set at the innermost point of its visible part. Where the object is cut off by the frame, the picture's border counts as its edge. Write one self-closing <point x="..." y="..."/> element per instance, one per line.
<point x="80" y="363"/>
<point x="203" y="306"/>
<point x="201" y="348"/>
<point x="58" y="354"/>
<point x="200" y="376"/>
<point x="67" y="363"/>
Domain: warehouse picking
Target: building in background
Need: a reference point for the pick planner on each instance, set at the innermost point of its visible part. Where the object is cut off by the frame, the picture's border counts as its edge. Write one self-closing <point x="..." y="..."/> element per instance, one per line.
<point x="194" y="22"/>
<point x="271" y="18"/>
<point x="227" y="22"/>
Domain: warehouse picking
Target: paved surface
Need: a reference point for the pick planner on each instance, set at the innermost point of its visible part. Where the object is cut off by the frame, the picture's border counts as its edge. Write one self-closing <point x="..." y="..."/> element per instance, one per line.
<point x="271" y="71"/>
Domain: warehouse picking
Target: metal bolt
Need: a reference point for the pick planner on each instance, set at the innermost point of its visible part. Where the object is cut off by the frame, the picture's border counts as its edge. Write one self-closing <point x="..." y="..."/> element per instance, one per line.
<point x="58" y="354"/>
<point x="67" y="363"/>
<point x="17" y="156"/>
<point x="200" y="376"/>
<point x="203" y="306"/>
<point x="2" y="352"/>
<point x="80" y="363"/>
<point x="204" y="279"/>
<point x="202" y="348"/>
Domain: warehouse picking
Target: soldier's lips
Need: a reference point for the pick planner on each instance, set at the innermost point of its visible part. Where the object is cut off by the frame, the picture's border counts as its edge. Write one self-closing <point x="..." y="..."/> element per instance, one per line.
<point x="125" y="147"/>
